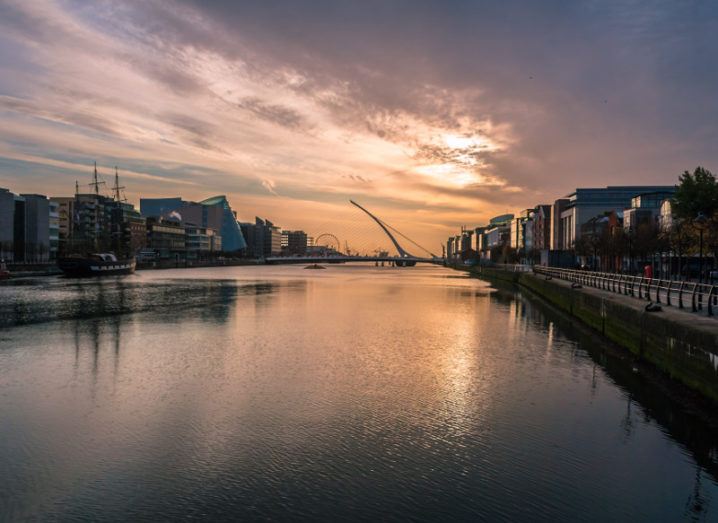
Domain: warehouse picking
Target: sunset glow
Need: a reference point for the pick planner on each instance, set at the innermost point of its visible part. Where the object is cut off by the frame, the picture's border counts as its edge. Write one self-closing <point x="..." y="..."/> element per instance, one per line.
<point x="343" y="260"/>
<point x="199" y="100"/>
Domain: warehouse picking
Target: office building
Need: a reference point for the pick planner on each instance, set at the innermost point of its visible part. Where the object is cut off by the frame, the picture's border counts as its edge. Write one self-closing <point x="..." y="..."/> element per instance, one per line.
<point x="135" y="229"/>
<point x="95" y="223"/>
<point x="557" y="208"/>
<point x="34" y="245"/>
<point x="155" y="207"/>
<point x="7" y="225"/>
<point x="264" y="239"/>
<point x="200" y="242"/>
<point x="665" y="215"/>
<point x="92" y="224"/>
<point x="480" y="240"/>
<point x="586" y="203"/>
<point x="54" y="229"/>
<point x="294" y="243"/>
<point x="498" y="232"/>
<point x="24" y="227"/>
<point x="517" y="231"/>
<point x="166" y="237"/>
<point x="214" y="213"/>
<point x="65" y="217"/>
<point x="466" y="239"/>
<point x="645" y="210"/>
<point x="542" y="227"/>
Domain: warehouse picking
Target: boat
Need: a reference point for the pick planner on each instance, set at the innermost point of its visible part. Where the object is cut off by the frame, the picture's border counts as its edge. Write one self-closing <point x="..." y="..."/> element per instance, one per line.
<point x="315" y="266"/>
<point x="4" y="272"/>
<point x="96" y="264"/>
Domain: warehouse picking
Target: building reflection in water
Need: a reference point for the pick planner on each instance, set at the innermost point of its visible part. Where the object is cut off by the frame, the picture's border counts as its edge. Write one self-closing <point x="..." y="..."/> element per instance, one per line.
<point x="106" y="308"/>
<point x="645" y="400"/>
<point x="172" y="300"/>
<point x="468" y="393"/>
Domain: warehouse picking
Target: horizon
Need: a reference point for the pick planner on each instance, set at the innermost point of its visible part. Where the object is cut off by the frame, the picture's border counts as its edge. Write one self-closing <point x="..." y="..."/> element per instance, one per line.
<point x="434" y="115"/>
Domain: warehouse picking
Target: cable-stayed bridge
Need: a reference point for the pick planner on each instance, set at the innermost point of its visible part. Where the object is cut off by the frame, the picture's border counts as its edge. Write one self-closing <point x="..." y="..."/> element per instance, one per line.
<point x="334" y="254"/>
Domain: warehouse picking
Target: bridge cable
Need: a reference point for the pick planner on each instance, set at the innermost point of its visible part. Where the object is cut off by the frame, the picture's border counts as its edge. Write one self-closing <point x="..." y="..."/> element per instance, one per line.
<point x="408" y="239"/>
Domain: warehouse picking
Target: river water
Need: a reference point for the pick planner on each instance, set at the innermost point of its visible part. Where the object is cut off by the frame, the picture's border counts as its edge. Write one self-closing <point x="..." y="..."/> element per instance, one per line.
<point x="351" y="393"/>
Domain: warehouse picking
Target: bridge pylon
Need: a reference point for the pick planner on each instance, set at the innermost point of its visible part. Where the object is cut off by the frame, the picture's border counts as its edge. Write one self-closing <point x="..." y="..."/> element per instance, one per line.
<point x="402" y="253"/>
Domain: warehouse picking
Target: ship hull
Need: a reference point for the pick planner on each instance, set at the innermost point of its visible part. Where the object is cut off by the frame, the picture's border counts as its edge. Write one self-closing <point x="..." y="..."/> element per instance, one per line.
<point x="81" y="267"/>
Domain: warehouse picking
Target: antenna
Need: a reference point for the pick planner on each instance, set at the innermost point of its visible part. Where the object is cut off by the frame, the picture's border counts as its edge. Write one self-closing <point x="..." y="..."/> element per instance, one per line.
<point x="77" y="187"/>
<point x="96" y="183"/>
<point x="117" y="187"/>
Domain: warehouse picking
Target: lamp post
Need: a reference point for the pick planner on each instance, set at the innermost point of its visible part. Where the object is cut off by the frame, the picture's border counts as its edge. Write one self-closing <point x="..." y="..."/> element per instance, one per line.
<point x="700" y="223"/>
<point x="594" y="244"/>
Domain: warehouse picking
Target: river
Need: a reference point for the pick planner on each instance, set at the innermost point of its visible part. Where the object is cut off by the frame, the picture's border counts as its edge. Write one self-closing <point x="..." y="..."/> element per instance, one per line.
<point x="351" y="393"/>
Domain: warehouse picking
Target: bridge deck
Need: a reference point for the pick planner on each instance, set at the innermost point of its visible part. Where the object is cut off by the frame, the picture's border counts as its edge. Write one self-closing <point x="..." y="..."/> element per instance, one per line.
<point x="349" y="259"/>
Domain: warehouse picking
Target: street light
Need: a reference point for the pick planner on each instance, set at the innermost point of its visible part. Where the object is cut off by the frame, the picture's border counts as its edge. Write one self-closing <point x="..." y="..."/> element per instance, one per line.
<point x="700" y="223"/>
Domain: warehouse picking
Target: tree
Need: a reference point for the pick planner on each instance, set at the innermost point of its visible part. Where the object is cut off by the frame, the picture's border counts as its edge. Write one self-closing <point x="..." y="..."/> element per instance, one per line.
<point x="696" y="194"/>
<point x="584" y="247"/>
<point x="614" y="243"/>
<point x="711" y="237"/>
<point x="645" y="241"/>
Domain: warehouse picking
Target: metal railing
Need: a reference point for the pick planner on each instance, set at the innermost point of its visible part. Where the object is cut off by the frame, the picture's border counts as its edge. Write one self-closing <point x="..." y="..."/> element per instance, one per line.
<point x="510" y="267"/>
<point x="699" y="297"/>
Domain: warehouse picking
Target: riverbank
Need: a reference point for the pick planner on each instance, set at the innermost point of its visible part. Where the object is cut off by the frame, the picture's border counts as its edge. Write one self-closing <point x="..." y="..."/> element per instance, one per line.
<point x="24" y="270"/>
<point x="172" y="264"/>
<point x="682" y="345"/>
<point x="51" y="269"/>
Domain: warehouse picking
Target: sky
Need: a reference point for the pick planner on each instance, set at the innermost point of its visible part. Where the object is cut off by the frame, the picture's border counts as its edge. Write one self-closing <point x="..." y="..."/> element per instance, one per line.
<point x="433" y="114"/>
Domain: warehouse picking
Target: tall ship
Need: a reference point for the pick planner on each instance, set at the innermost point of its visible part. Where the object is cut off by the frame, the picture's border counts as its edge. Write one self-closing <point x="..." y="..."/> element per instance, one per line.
<point x="96" y="264"/>
<point x="96" y="246"/>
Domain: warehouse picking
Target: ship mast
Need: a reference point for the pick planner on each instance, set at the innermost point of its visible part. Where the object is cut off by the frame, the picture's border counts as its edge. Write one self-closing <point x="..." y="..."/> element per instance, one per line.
<point x="118" y="216"/>
<point x="117" y="188"/>
<point x="96" y="183"/>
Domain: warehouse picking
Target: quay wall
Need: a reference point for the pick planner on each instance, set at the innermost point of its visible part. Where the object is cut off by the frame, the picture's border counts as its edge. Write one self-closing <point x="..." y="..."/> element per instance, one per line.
<point x="682" y="345"/>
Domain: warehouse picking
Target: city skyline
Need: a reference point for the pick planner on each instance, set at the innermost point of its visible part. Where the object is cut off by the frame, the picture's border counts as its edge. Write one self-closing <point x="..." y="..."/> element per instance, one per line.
<point x="428" y="112"/>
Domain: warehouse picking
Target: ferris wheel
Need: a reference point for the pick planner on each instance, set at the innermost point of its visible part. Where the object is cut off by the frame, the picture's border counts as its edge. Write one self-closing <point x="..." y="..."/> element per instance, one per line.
<point x="327" y="239"/>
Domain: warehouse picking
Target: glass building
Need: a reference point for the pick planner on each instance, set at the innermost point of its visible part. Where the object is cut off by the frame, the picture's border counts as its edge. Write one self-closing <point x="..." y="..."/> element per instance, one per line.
<point x="154" y="207"/>
<point x="586" y="203"/>
<point x="214" y="212"/>
<point x="232" y="239"/>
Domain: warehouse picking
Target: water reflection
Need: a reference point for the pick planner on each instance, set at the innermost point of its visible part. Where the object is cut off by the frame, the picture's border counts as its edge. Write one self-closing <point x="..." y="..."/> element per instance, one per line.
<point x="645" y="398"/>
<point x="357" y="393"/>
<point x="103" y="310"/>
<point x="697" y="503"/>
<point x="83" y="299"/>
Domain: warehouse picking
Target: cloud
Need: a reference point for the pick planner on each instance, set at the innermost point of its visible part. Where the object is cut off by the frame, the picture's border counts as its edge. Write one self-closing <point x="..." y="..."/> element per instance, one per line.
<point x="437" y="113"/>
<point x="270" y="186"/>
<point x="275" y="113"/>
